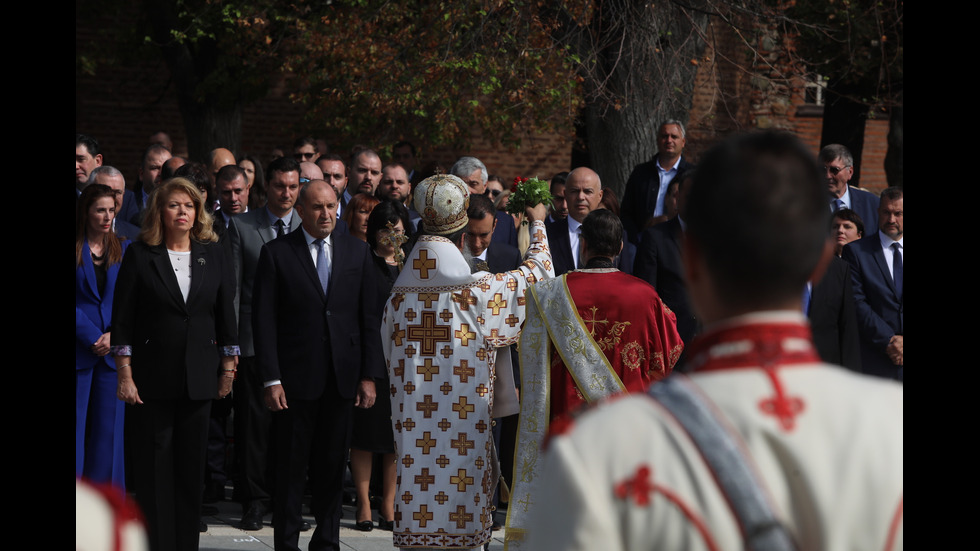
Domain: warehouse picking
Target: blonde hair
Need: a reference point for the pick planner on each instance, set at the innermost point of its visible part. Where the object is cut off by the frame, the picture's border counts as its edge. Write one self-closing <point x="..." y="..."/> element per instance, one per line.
<point x="152" y="232"/>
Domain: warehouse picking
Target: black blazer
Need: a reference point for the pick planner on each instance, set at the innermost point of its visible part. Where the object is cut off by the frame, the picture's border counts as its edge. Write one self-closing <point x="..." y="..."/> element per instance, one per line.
<point x="303" y="337"/>
<point x="833" y="319"/>
<point x="658" y="262"/>
<point x="561" y="250"/>
<point x="640" y="195"/>
<point x="175" y="344"/>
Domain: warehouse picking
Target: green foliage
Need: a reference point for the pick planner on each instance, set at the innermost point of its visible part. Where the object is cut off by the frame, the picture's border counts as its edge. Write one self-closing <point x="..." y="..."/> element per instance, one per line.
<point x="442" y="71"/>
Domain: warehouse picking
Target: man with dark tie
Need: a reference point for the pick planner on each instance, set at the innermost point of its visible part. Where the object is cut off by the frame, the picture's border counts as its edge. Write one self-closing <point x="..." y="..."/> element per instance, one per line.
<point x="247" y="234"/>
<point x="838" y="166"/>
<point x="583" y="194"/>
<point x="317" y="346"/>
<point x="877" y="270"/>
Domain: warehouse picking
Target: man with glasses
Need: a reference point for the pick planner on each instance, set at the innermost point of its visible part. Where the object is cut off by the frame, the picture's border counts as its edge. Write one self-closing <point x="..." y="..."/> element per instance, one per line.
<point x="838" y="166"/>
<point x="304" y="149"/>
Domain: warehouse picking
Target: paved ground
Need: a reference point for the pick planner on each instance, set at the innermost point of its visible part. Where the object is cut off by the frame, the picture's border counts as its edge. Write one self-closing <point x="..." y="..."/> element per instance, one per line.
<point x="223" y="533"/>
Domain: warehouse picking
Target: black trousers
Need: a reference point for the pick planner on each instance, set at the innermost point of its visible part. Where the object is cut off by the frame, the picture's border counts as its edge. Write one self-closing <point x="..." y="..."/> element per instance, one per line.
<point x="170" y="438"/>
<point x="314" y="434"/>
<point x="253" y="425"/>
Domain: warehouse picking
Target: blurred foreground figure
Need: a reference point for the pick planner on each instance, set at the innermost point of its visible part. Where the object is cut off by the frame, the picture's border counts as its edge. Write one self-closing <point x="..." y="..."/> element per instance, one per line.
<point x="762" y="446"/>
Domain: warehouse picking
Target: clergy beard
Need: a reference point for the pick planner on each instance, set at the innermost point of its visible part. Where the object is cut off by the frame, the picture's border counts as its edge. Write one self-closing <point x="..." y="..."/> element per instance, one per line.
<point x="467" y="252"/>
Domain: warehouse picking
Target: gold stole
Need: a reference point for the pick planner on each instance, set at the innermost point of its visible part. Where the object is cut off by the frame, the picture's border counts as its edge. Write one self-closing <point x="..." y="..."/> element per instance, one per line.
<point x="551" y="318"/>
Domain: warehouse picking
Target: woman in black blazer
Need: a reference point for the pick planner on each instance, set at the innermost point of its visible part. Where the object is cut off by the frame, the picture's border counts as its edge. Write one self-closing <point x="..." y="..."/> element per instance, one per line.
<point x="175" y="343"/>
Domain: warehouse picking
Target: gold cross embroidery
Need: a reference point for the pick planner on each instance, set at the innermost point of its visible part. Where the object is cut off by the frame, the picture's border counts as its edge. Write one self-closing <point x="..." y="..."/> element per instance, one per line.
<point x="423" y="515"/>
<point x="465" y="299"/>
<point x="426" y="442"/>
<point x="497" y="303"/>
<point x="423" y="264"/>
<point x="463" y="408"/>
<point x="429" y="333"/>
<point x="461" y="480"/>
<point x="464" y="334"/>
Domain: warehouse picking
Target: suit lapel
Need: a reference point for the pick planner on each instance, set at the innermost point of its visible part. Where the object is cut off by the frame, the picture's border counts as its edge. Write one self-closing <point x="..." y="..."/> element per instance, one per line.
<point x="200" y="258"/>
<point x="879" y="256"/>
<point x="89" y="270"/>
<point x="165" y="271"/>
<point x="298" y="241"/>
<point x="265" y="230"/>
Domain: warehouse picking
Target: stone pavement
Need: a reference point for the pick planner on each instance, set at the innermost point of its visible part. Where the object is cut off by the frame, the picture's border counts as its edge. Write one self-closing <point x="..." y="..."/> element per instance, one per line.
<point x="224" y="535"/>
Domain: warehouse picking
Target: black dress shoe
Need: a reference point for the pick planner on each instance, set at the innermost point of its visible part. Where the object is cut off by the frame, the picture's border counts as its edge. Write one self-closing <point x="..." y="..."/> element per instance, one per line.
<point x="252" y="519"/>
<point x="305" y="526"/>
<point x="365" y="526"/>
<point x="203" y="526"/>
<point x="387" y="525"/>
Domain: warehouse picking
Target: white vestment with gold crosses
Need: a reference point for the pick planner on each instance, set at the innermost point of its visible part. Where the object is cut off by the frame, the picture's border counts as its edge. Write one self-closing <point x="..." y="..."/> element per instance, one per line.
<point x="441" y="327"/>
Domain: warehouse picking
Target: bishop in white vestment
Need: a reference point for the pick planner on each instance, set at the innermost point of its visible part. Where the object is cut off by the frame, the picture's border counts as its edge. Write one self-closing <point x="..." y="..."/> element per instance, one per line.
<point x="441" y="329"/>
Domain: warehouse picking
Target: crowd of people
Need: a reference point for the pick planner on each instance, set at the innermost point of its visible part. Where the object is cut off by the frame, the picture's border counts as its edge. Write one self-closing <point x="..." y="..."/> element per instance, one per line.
<point x="225" y="296"/>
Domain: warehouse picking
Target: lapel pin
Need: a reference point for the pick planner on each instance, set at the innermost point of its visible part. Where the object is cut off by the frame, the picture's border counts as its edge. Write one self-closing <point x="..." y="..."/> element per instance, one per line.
<point x="201" y="261"/>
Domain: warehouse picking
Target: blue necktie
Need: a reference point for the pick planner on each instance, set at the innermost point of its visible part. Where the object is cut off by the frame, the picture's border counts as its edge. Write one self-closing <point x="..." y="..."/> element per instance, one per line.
<point x="838" y="204"/>
<point x="322" y="265"/>
<point x="897" y="268"/>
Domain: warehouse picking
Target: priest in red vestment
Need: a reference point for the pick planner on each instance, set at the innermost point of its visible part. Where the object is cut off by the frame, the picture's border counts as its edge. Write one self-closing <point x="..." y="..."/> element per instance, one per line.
<point x="590" y="333"/>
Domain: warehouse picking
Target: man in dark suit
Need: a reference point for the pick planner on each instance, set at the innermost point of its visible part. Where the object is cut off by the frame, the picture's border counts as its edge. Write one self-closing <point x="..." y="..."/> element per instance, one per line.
<point x="583" y="194"/>
<point x="877" y="270"/>
<point x="316" y="345"/>
<point x="335" y="173"/>
<point x="488" y="255"/>
<point x="839" y="168"/>
<point x="643" y="199"/>
<point x="247" y="234"/>
<point x="833" y="320"/>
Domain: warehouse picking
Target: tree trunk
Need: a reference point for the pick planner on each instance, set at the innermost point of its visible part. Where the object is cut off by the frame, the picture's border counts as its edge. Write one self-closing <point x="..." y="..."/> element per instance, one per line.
<point x="212" y="112"/>
<point x="642" y="75"/>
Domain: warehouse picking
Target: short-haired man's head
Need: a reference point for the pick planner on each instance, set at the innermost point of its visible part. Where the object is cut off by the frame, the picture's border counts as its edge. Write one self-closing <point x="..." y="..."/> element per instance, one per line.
<point x="472" y="171"/>
<point x="676" y="123"/>
<point x="102" y="172"/>
<point x="757" y="214"/>
<point x="583" y="192"/>
<point x="602" y="232"/>
<point x="305" y="149"/>
<point x="90" y="143"/>
<point x="480" y="207"/>
<point x="891" y="213"/>
<point x="304" y="191"/>
<point x="230" y="173"/>
<point x="834" y="151"/>
<point x="893" y="193"/>
<point x="281" y="165"/>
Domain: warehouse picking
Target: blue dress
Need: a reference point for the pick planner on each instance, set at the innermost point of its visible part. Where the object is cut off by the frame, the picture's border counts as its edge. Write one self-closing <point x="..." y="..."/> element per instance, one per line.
<point x="98" y="413"/>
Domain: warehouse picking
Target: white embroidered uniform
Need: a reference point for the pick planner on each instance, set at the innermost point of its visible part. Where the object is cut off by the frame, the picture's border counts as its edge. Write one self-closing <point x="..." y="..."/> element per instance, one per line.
<point x="827" y="444"/>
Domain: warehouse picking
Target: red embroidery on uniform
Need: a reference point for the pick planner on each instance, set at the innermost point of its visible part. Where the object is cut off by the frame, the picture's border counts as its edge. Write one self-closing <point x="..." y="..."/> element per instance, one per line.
<point x="784" y="408"/>
<point x="639" y="487"/>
